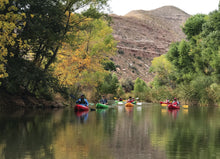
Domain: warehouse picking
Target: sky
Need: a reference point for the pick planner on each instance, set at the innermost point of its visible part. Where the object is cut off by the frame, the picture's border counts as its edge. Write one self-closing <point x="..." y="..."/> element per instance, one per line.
<point x="192" y="7"/>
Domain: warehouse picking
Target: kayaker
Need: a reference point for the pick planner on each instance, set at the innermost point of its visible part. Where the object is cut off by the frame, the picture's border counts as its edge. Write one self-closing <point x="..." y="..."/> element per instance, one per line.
<point x="104" y="100"/>
<point x="130" y="100"/>
<point x="167" y="101"/>
<point x="175" y="102"/>
<point x="82" y="101"/>
<point x="120" y="99"/>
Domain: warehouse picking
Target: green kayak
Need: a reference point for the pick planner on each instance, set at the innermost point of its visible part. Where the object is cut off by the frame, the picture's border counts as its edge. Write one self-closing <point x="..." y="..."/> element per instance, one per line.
<point x="99" y="105"/>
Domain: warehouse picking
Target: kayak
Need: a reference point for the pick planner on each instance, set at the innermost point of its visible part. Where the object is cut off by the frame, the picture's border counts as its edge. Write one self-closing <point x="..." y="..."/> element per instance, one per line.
<point x="171" y="106"/>
<point x="121" y="102"/>
<point x="129" y="105"/>
<point x="79" y="107"/>
<point x="139" y="103"/>
<point x="103" y="106"/>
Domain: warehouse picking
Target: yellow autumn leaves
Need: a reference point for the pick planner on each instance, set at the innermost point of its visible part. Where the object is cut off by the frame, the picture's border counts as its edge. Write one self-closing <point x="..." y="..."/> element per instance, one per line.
<point x="81" y="57"/>
<point x="9" y="22"/>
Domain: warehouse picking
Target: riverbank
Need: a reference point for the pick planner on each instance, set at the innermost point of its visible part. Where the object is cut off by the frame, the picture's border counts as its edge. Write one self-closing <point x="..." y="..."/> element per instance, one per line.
<point x="27" y="100"/>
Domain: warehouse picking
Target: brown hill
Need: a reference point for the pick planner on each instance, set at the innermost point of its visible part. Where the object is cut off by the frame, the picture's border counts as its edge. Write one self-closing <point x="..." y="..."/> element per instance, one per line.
<point x="143" y="35"/>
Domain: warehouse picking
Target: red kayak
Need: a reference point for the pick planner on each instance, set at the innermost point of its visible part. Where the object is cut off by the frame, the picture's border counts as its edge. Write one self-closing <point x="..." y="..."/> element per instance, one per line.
<point x="171" y="106"/>
<point x="79" y="107"/>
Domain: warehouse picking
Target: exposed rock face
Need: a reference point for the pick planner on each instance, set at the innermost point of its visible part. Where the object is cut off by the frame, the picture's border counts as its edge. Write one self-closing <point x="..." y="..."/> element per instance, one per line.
<point x="143" y="35"/>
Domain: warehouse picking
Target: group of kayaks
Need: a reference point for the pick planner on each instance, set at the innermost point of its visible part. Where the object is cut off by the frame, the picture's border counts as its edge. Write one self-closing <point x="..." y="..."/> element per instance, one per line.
<point x="79" y="107"/>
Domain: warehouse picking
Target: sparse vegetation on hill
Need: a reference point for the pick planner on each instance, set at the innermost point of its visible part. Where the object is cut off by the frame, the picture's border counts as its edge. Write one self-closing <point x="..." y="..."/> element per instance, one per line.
<point x="143" y="35"/>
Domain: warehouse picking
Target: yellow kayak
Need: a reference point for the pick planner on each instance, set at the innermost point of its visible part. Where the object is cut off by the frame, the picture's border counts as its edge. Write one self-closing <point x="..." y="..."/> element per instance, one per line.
<point x="164" y="105"/>
<point x="129" y="105"/>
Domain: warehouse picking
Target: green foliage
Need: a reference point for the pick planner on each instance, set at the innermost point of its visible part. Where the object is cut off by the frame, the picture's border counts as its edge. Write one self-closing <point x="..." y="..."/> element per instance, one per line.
<point x="110" y="85"/>
<point x="193" y="25"/>
<point x="160" y="93"/>
<point x="196" y="63"/>
<point x="164" y="72"/>
<point x="120" y="91"/>
<point x="10" y="22"/>
<point x="200" y="85"/>
<point x="180" y="56"/>
<point x="32" y="78"/>
<point x="36" y="30"/>
<point x="121" y="52"/>
<point x="109" y="66"/>
<point x="140" y="58"/>
<point x="140" y="89"/>
<point x="127" y="85"/>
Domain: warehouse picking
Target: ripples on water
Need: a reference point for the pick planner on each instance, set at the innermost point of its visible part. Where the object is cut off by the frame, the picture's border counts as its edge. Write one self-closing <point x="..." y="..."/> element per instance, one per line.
<point x="149" y="131"/>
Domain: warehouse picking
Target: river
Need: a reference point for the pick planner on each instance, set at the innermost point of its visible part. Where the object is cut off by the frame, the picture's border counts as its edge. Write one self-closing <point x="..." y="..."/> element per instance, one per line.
<point x="149" y="131"/>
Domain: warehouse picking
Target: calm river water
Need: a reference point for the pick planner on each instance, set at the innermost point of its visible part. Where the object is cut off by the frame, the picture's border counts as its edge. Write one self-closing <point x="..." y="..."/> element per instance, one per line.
<point x="149" y="131"/>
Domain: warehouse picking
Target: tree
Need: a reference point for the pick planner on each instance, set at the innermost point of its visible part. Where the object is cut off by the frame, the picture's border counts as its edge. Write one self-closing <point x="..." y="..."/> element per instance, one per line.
<point x="10" y="22"/>
<point x="120" y="91"/>
<point x="140" y="89"/>
<point x="127" y="85"/>
<point x="85" y="52"/>
<point x="40" y="28"/>
<point x="109" y="85"/>
<point x="163" y="69"/>
<point x="193" y="25"/>
<point x="180" y="56"/>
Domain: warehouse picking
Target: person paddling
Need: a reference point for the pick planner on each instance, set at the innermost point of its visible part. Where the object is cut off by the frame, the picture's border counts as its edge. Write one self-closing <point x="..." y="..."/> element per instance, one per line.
<point x="82" y="101"/>
<point x="175" y="102"/>
<point x="104" y="100"/>
<point x="130" y="100"/>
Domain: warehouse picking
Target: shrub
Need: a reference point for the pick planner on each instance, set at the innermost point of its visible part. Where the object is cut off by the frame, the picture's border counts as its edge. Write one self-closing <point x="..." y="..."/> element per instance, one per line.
<point x="121" y="52"/>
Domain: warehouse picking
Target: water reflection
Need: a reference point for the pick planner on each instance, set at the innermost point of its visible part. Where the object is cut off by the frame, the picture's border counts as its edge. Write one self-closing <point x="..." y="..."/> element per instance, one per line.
<point x="120" y="108"/>
<point x="148" y="131"/>
<point x="129" y="110"/>
<point x="173" y="112"/>
<point x="82" y="115"/>
<point x="139" y="108"/>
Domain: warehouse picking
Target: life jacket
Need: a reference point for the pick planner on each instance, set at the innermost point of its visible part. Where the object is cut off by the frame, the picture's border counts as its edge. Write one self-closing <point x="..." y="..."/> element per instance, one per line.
<point x="103" y="101"/>
<point x="82" y="101"/>
<point x="129" y="101"/>
<point x="175" y="103"/>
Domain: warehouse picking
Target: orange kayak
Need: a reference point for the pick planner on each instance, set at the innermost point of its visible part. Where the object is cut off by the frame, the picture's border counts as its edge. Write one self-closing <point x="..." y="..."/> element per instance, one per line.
<point x="129" y="105"/>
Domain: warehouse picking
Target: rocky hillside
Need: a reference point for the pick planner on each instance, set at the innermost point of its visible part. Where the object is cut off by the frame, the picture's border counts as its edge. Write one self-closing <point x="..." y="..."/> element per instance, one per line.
<point x="143" y="35"/>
